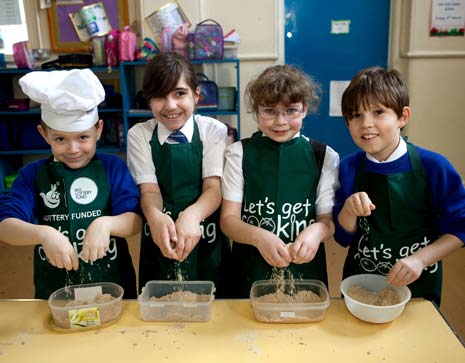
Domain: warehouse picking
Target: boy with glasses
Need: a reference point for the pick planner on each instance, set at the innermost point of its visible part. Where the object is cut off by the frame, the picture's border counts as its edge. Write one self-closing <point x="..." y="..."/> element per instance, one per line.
<point x="278" y="186"/>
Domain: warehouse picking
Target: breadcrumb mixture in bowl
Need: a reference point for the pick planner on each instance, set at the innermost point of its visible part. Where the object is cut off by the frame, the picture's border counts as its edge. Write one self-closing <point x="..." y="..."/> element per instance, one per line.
<point x="372" y="299"/>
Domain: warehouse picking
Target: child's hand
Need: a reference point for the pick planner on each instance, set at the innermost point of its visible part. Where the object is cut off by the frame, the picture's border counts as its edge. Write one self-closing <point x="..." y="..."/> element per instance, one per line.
<point x="305" y="247"/>
<point x="59" y="250"/>
<point x="406" y="271"/>
<point x="358" y="205"/>
<point x="273" y="250"/>
<point x="96" y="241"/>
<point x="164" y="235"/>
<point x="188" y="232"/>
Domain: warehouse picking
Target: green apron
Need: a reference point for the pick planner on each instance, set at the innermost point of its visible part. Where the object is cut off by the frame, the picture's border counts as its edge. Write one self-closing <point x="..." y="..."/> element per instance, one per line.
<point x="179" y="174"/>
<point x="69" y="200"/>
<point x="280" y="190"/>
<point x="402" y="223"/>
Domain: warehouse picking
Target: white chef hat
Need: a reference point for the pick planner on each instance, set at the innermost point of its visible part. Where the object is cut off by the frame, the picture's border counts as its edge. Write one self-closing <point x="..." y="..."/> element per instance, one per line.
<point x="68" y="99"/>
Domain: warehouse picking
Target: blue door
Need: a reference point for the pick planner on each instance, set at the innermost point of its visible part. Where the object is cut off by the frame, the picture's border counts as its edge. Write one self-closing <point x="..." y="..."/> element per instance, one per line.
<point x="311" y="45"/>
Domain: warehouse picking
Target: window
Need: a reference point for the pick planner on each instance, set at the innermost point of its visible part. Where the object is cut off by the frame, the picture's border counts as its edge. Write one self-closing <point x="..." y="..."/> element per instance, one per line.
<point x="13" y="26"/>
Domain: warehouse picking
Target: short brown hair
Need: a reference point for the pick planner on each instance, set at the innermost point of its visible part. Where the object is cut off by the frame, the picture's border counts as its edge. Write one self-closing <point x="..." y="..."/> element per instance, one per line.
<point x="282" y="84"/>
<point x="163" y="73"/>
<point x="375" y="85"/>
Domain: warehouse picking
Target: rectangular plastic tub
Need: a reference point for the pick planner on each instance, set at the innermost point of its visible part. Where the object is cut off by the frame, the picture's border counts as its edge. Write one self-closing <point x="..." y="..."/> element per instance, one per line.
<point x="70" y="311"/>
<point x="227" y="98"/>
<point x="230" y="51"/>
<point x="176" y="310"/>
<point x="289" y="312"/>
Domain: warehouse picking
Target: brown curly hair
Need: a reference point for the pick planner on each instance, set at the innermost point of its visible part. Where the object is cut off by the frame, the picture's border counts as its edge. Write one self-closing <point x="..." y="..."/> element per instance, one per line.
<point x="284" y="84"/>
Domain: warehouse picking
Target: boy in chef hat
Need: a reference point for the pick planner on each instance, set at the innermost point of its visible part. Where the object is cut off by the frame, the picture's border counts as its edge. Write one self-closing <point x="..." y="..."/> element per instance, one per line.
<point x="78" y="206"/>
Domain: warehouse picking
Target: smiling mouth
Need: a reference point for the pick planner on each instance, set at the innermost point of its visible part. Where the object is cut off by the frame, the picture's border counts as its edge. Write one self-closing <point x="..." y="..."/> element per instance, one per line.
<point x="172" y="115"/>
<point x="369" y="137"/>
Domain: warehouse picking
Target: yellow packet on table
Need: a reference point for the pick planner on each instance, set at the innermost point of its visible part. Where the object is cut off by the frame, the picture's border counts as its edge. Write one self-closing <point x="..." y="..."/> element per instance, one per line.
<point x="83" y="318"/>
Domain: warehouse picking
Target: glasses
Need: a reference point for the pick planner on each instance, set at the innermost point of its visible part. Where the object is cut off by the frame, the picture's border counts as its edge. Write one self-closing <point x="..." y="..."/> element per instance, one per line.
<point x="289" y="114"/>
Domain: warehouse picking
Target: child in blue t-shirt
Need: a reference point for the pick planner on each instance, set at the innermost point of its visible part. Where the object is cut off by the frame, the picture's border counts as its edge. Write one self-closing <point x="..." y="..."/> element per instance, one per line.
<point x="77" y="206"/>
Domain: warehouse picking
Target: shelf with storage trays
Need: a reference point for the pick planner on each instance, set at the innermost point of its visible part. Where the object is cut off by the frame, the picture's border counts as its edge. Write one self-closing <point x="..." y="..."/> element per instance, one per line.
<point x="19" y="137"/>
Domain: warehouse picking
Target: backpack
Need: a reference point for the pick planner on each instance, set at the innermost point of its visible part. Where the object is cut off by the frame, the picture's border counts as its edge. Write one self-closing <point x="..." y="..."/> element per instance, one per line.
<point x="208" y="99"/>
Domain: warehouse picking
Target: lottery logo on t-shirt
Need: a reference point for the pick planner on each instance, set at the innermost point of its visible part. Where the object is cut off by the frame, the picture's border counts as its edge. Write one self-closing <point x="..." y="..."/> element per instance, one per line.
<point x="83" y="191"/>
<point x="52" y="197"/>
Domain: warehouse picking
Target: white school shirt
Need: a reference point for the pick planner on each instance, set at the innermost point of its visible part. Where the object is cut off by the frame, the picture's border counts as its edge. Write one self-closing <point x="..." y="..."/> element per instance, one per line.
<point x="400" y="150"/>
<point x="213" y="134"/>
<point x="233" y="178"/>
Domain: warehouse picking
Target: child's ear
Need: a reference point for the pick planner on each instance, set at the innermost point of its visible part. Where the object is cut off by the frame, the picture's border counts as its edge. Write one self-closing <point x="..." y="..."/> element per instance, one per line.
<point x="305" y="110"/>
<point x="99" y="128"/>
<point x="403" y="120"/>
<point x="43" y="132"/>
<point x="196" y="94"/>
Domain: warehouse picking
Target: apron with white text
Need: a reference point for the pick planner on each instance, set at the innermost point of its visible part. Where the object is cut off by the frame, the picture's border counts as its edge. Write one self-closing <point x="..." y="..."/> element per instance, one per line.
<point x="179" y="174"/>
<point x="401" y="224"/>
<point x="69" y="200"/>
<point x="281" y="182"/>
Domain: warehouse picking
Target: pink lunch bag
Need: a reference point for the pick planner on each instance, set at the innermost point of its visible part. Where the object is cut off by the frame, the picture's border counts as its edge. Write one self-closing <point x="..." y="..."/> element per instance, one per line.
<point x="127" y="45"/>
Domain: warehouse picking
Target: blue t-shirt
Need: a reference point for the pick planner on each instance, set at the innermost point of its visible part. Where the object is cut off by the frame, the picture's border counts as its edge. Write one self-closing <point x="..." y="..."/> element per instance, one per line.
<point x="447" y="190"/>
<point x="21" y="202"/>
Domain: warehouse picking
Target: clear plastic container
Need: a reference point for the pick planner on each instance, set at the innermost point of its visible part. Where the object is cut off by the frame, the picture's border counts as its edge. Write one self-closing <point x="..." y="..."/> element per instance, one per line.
<point x="227" y="98"/>
<point x="179" y="309"/>
<point x="230" y="51"/>
<point x="70" y="310"/>
<point x="289" y="312"/>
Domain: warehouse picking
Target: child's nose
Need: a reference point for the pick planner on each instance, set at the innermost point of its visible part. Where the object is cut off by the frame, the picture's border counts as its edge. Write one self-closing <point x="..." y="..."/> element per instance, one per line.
<point x="73" y="147"/>
<point x="170" y="103"/>
<point x="280" y="119"/>
<point x="367" y="121"/>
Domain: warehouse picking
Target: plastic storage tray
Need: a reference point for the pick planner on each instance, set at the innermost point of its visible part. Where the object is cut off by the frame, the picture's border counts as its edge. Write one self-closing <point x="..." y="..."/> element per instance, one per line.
<point x="289" y="312"/>
<point x="175" y="310"/>
<point x="84" y="315"/>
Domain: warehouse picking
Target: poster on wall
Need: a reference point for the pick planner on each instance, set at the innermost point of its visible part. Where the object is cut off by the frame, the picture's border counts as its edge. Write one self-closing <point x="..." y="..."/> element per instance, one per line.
<point x="447" y="18"/>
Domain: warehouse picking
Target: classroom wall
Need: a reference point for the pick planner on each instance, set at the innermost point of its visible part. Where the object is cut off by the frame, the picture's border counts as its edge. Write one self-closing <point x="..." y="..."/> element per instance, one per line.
<point x="434" y="66"/>
<point x="435" y="71"/>
<point x="259" y="24"/>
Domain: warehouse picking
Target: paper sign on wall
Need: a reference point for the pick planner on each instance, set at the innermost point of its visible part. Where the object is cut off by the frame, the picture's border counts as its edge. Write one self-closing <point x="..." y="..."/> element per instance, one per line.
<point x="336" y="89"/>
<point x="340" y="26"/>
<point x="447" y="17"/>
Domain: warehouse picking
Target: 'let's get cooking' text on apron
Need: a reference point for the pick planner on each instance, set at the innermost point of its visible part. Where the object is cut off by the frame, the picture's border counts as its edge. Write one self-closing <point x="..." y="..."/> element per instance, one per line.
<point x="179" y="174"/>
<point x="401" y="224"/>
<point x="280" y="191"/>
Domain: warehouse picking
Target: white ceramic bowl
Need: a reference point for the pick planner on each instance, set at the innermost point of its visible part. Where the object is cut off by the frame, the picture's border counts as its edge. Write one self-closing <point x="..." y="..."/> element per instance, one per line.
<point x="373" y="313"/>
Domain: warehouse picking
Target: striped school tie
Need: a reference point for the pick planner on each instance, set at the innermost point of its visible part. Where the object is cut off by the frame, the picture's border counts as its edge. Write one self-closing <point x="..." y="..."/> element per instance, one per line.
<point x="178" y="137"/>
